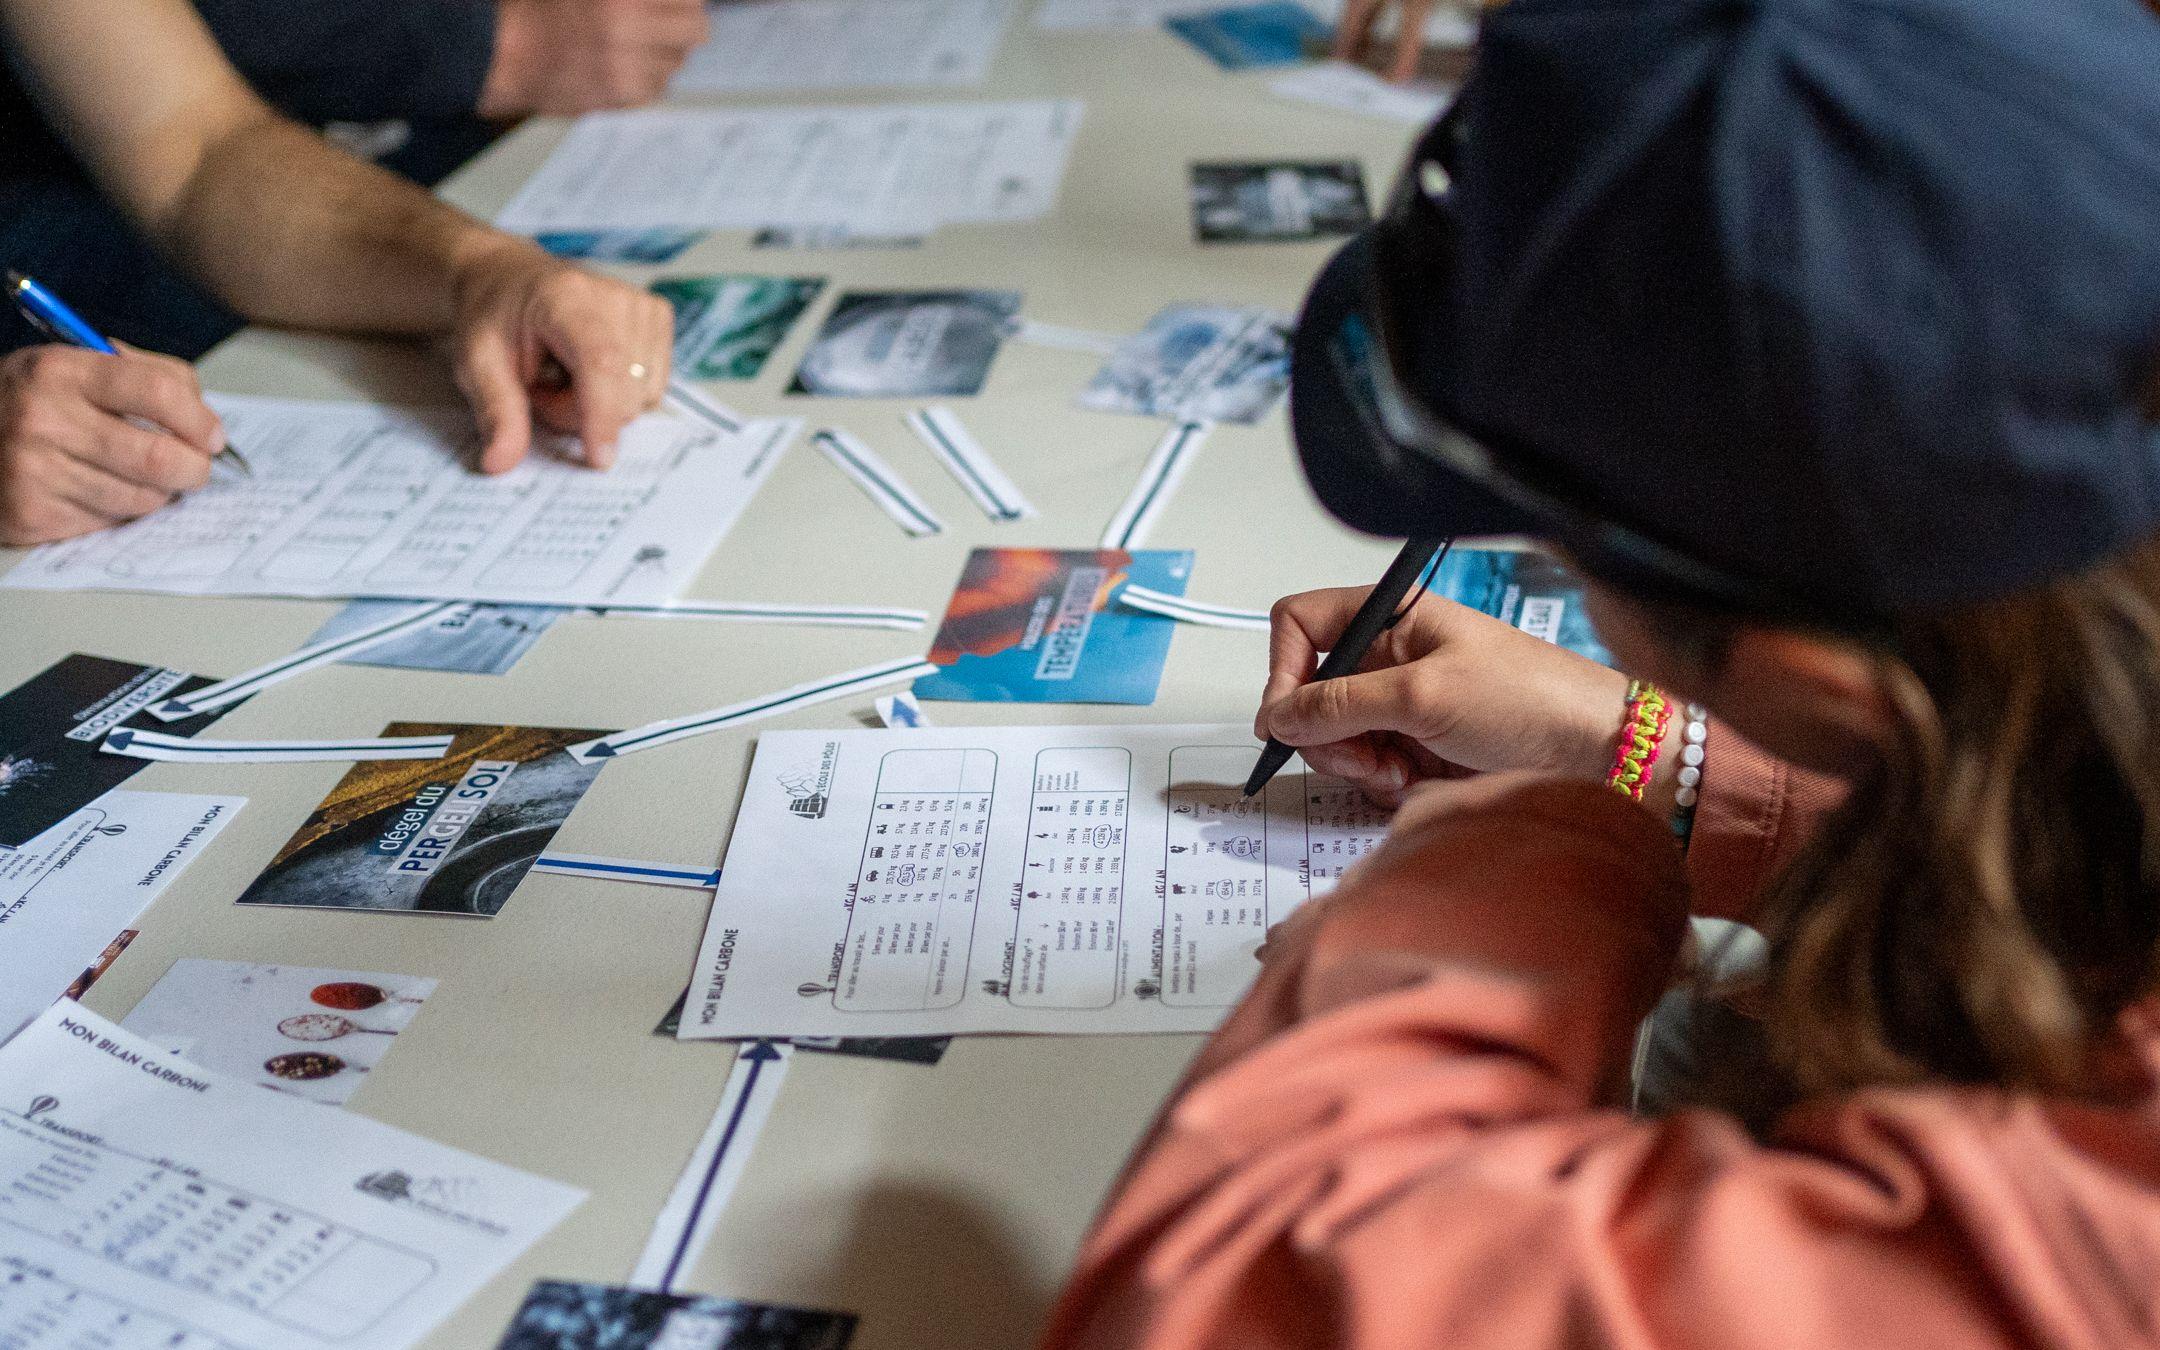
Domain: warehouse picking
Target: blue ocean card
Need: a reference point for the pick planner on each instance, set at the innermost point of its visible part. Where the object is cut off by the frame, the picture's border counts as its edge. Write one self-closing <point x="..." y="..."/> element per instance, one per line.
<point x="472" y="639"/>
<point x="1530" y="590"/>
<point x="623" y="246"/>
<point x="1247" y="36"/>
<point x="1034" y="625"/>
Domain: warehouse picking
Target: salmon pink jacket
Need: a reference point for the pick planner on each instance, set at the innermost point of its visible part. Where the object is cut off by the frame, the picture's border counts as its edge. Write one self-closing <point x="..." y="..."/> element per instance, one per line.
<point x="1409" y="1135"/>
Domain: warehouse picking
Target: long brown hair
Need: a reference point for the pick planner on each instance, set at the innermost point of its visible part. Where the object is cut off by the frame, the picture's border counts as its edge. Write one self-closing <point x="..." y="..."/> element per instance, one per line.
<point x="1987" y="902"/>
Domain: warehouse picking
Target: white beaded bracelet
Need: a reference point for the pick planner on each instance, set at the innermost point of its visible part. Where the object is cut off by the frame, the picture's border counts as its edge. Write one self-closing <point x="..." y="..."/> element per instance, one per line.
<point x="1694" y="732"/>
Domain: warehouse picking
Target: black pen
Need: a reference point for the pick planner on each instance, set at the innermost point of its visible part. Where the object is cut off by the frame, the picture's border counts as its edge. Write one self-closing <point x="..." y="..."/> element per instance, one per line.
<point x="1374" y="617"/>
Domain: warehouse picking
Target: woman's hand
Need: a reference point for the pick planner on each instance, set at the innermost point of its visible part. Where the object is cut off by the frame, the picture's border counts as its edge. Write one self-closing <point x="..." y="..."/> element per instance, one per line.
<point x="1444" y="692"/>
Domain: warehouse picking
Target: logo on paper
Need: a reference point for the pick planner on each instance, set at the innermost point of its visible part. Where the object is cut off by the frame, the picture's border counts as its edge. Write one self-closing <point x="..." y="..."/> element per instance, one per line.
<point x="112" y="831"/>
<point x="434" y="1196"/>
<point x="809" y="790"/>
<point x="385" y="1185"/>
<point x="40" y="1106"/>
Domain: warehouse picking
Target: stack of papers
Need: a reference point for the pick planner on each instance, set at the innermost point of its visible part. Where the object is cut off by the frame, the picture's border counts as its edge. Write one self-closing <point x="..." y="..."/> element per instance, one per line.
<point x="67" y="893"/>
<point x="878" y="171"/>
<point x="764" y="45"/>
<point x="1003" y="879"/>
<point x="349" y="499"/>
<point x="147" y="1201"/>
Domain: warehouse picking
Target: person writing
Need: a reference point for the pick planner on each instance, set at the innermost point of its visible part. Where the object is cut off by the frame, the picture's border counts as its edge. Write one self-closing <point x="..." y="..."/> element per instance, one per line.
<point x="287" y="231"/>
<point x="1818" y="335"/>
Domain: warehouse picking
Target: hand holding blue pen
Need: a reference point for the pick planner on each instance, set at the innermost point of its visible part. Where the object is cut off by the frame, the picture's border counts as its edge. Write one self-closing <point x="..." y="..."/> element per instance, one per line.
<point x="52" y="316"/>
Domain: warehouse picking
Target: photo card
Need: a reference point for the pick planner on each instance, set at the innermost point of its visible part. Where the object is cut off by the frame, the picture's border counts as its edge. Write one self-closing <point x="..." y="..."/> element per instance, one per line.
<point x="907" y="344"/>
<point x="479" y="639"/>
<point x="1197" y="363"/>
<point x="52" y="724"/>
<point x="565" y="1315"/>
<point x="727" y="325"/>
<point x="1244" y="37"/>
<point x="1246" y="202"/>
<point x="1040" y="625"/>
<point x="308" y="1031"/>
<point x="620" y="246"/>
<point x="433" y="836"/>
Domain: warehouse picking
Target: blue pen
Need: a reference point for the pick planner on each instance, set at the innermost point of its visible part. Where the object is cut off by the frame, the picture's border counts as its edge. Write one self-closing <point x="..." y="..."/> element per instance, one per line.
<point x="44" y="309"/>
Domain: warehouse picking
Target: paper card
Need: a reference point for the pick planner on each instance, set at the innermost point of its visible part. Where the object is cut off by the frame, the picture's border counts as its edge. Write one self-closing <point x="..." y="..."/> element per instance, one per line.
<point x="1354" y="89"/>
<point x="152" y="1202"/>
<point x="65" y="893"/>
<point x="355" y="499"/>
<point x="620" y="246"/>
<point x="52" y="724"/>
<point x="874" y="170"/>
<point x="470" y="640"/>
<point x="725" y="326"/>
<point x="899" y="344"/>
<point x="1035" y="625"/>
<point x="1239" y="202"/>
<point x="903" y="1049"/>
<point x="1198" y="363"/>
<point x="829" y="237"/>
<point x="311" y="1032"/>
<point x="844" y="44"/>
<point x="1531" y="590"/>
<point x="442" y="836"/>
<point x="1246" y="36"/>
<point x="561" y="1315"/>
<point x="964" y="880"/>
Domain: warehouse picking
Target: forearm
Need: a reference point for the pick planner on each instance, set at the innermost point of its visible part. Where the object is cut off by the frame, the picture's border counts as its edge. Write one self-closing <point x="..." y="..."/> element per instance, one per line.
<point x="354" y="249"/>
<point x="276" y="222"/>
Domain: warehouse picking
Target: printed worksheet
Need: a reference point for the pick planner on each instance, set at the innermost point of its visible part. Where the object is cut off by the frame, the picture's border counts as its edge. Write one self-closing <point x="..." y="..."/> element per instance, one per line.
<point x="998" y="879"/>
<point x="349" y="499"/>
<point x="765" y="45"/>
<point x="879" y="170"/>
<point x="146" y="1201"/>
<point x="66" y="893"/>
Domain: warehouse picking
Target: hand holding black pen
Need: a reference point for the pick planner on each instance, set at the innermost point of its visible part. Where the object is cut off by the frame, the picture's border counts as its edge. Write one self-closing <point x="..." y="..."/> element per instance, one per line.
<point x="1379" y="612"/>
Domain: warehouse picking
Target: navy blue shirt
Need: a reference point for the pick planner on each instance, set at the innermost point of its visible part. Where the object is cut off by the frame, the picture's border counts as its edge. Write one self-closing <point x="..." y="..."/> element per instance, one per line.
<point x="420" y="61"/>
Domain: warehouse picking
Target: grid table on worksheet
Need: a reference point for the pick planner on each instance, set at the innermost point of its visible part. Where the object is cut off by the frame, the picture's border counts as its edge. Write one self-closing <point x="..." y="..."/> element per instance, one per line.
<point x="198" y="1234"/>
<point x="1069" y="917"/>
<point x="911" y="917"/>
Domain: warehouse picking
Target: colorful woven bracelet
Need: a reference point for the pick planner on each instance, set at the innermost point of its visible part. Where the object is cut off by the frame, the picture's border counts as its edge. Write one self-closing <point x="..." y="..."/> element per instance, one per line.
<point x="1642" y="732"/>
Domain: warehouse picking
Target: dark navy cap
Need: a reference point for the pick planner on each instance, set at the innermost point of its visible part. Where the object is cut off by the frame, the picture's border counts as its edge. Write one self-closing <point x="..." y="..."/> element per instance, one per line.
<point x="1859" y="299"/>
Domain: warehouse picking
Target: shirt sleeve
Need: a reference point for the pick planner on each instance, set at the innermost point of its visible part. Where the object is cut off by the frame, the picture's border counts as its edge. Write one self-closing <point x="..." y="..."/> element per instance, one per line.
<point x="359" y="60"/>
<point x="1405" y="1138"/>
<point x="1755" y="813"/>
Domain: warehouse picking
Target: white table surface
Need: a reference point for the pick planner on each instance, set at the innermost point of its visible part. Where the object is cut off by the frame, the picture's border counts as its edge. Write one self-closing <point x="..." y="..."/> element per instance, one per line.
<point x="941" y="1204"/>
